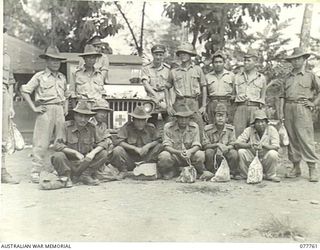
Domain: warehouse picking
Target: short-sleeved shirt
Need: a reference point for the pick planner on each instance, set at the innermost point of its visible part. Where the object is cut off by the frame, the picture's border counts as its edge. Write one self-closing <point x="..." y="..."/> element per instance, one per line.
<point x="213" y="135"/>
<point x="220" y="85"/>
<point x="83" y="140"/>
<point x="129" y="134"/>
<point x="301" y="85"/>
<point x="7" y="73"/>
<point x="174" y="137"/>
<point x="187" y="81"/>
<point x="157" y="77"/>
<point x="250" y="135"/>
<point x="250" y="89"/>
<point x="88" y="86"/>
<point x="49" y="88"/>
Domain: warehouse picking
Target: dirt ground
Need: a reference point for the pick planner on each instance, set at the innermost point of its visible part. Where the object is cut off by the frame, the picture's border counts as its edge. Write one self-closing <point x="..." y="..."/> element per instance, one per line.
<point x="158" y="211"/>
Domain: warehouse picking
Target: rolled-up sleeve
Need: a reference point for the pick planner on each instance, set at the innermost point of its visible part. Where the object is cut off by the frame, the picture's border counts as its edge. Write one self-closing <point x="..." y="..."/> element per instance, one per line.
<point x="202" y="77"/>
<point x="274" y="137"/>
<point x="31" y="85"/>
<point x="167" y="138"/>
<point x="245" y="136"/>
<point x="196" y="138"/>
<point x="169" y="82"/>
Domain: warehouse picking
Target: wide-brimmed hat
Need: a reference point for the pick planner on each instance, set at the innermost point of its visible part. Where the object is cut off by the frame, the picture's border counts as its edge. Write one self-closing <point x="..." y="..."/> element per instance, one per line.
<point x="89" y="50"/>
<point x="52" y="52"/>
<point x="259" y="114"/>
<point x="219" y="53"/>
<point x="188" y="48"/>
<point x="95" y="40"/>
<point x="101" y="104"/>
<point x="298" y="52"/>
<point x="158" y="48"/>
<point x="183" y="110"/>
<point x="251" y="53"/>
<point x="83" y="108"/>
<point x="139" y="113"/>
<point x="221" y="108"/>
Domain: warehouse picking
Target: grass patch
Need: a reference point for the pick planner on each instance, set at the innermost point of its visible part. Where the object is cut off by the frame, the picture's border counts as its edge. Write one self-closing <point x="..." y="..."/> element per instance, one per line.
<point x="200" y="189"/>
<point x="280" y="228"/>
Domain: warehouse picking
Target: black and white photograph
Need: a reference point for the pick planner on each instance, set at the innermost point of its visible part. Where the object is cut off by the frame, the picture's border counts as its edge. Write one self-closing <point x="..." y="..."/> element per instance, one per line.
<point x="153" y="122"/>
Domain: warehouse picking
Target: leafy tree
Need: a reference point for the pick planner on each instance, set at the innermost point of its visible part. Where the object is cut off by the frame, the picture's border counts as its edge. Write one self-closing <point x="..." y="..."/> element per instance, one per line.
<point x="68" y="24"/>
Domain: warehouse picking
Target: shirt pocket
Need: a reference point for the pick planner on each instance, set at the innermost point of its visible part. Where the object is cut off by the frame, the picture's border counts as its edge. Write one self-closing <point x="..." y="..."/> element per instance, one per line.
<point x="241" y="87"/>
<point x="179" y="82"/>
<point x="47" y="88"/>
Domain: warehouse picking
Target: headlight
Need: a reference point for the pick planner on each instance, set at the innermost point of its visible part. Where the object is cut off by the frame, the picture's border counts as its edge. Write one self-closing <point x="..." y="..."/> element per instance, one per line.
<point x="148" y="107"/>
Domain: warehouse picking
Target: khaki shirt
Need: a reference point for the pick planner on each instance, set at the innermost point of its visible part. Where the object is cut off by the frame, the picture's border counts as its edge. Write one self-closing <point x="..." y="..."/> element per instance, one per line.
<point x="270" y="137"/>
<point x="88" y="86"/>
<point x="180" y="140"/>
<point x="187" y="81"/>
<point x="84" y="140"/>
<point x="102" y="63"/>
<point x="48" y="87"/>
<point x="212" y="135"/>
<point x="157" y="77"/>
<point x="220" y="86"/>
<point x="129" y="134"/>
<point x="302" y="85"/>
<point x="250" y="89"/>
<point x="7" y="74"/>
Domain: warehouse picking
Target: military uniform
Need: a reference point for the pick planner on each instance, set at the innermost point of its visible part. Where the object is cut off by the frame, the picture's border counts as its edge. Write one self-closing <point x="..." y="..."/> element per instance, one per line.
<point x="180" y="140"/>
<point x="220" y="90"/>
<point x="50" y="90"/>
<point x="249" y="97"/>
<point x="83" y="140"/>
<point x="300" y="90"/>
<point x="125" y="159"/>
<point x="269" y="158"/>
<point x="226" y="136"/>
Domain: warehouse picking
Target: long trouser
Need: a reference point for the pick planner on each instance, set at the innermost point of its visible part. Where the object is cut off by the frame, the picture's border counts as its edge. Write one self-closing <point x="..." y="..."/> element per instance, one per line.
<point x="170" y="162"/>
<point x="62" y="163"/>
<point x="231" y="157"/>
<point x="299" y="125"/>
<point x="124" y="160"/>
<point x="193" y="105"/>
<point x="269" y="162"/>
<point x="242" y="117"/>
<point x="211" y="109"/>
<point x="48" y="126"/>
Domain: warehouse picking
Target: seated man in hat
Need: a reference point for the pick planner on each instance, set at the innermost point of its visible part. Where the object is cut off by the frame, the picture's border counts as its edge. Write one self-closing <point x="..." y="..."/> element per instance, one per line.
<point x="51" y="106"/>
<point x="259" y="138"/>
<point x="217" y="141"/>
<point x="81" y="151"/>
<point x="88" y="81"/>
<point x="102" y="62"/>
<point x="154" y="78"/>
<point x="181" y="142"/>
<point x="300" y="95"/>
<point x="137" y="141"/>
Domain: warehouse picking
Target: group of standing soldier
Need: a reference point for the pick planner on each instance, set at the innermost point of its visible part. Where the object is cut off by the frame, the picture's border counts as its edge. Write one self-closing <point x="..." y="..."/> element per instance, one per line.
<point x="84" y="148"/>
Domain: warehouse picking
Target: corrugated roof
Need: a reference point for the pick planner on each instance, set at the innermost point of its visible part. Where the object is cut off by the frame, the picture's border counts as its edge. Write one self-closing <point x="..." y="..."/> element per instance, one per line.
<point x="24" y="57"/>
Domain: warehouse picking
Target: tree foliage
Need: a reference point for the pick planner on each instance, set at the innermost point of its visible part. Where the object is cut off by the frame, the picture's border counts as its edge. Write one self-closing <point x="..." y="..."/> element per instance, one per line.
<point x="68" y="24"/>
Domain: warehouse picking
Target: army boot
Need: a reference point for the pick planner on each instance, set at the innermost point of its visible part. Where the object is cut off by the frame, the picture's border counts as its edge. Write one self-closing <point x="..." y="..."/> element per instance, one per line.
<point x="313" y="172"/>
<point x="87" y="179"/>
<point x="7" y="178"/>
<point x="295" y="171"/>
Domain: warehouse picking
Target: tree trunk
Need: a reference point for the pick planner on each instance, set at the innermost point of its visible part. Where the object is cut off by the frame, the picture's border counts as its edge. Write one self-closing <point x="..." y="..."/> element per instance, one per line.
<point x="306" y="26"/>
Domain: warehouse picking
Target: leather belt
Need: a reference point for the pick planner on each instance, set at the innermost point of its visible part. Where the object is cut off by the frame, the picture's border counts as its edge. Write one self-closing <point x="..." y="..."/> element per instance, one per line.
<point x="301" y="101"/>
<point x="249" y="103"/>
<point x="186" y="97"/>
<point x="219" y="98"/>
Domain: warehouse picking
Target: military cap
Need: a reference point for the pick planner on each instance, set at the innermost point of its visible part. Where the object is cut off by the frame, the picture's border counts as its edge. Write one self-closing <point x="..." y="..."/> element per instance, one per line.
<point x="251" y="53"/>
<point x="158" y="48"/>
<point x="52" y="52"/>
<point x="259" y="114"/>
<point x="183" y="110"/>
<point x="187" y="48"/>
<point x="219" y="53"/>
<point x="139" y="113"/>
<point x="89" y="50"/>
<point x="298" y="52"/>
<point x="101" y="104"/>
<point x="221" y="108"/>
<point x="83" y="108"/>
